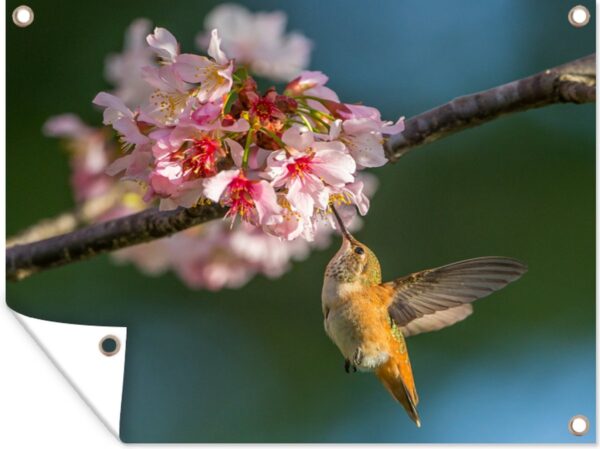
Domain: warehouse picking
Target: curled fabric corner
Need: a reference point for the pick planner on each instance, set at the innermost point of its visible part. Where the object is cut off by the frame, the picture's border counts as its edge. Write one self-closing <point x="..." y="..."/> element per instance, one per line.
<point x="94" y="369"/>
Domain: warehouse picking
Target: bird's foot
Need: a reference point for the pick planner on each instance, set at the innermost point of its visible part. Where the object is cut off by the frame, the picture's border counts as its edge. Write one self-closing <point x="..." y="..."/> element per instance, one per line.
<point x="358" y="357"/>
<point x="348" y="365"/>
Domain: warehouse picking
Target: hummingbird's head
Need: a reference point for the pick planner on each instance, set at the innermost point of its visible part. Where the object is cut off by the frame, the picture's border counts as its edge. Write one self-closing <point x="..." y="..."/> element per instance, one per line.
<point x="354" y="261"/>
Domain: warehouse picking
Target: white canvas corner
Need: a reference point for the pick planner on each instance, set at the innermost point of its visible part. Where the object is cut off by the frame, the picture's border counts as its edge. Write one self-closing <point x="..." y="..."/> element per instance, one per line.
<point x="75" y="350"/>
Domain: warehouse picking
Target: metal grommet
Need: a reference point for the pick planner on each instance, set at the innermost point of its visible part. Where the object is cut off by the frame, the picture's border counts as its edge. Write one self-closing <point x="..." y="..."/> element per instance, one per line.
<point x="579" y="16"/>
<point x="22" y="16"/>
<point x="579" y="425"/>
<point x="109" y="345"/>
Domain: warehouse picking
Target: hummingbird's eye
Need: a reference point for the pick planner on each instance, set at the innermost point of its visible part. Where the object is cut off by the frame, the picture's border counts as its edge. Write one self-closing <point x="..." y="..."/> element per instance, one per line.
<point x="359" y="250"/>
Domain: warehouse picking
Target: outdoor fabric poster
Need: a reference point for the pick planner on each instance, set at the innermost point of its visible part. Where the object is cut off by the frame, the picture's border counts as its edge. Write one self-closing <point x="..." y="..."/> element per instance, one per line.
<point x="307" y="222"/>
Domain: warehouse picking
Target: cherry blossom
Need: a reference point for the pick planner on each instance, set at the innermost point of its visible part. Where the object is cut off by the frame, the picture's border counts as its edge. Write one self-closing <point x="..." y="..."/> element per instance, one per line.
<point x="169" y="99"/>
<point x="123" y="70"/>
<point x="363" y="131"/>
<point x="257" y="40"/>
<point x="254" y="200"/>
<point x="164" y="45"/>
<point x="312" y="84"/>
<point x="90" y="154"/>
<point x="178" y="172"/>
<point x="276" y="160"/>
<point x="191" y="129"/>
<point x="311" y="168"/>
<point x="121" y="118"/>
<point x="214" y="75"/>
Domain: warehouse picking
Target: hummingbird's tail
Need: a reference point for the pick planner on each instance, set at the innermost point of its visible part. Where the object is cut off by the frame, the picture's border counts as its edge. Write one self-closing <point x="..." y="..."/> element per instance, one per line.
<point x="396" y="376"/>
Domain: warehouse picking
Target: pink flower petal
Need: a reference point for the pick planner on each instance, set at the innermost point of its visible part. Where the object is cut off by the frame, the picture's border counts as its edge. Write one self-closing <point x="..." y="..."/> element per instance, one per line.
<point x="192" y="68"/>
<point x="164" y="44"/>
<point x="367" y="149"/>
<point x="265" y="201"/>
<point x="236" y="150"/>
<point x="358" y="196"/>
<point x="119" y="165"/>
<point x="396" y="128"/>
<point x="215" y="186"/>
<point x="214" y="48"/>
<point x="299" y="138"/>
<point x="207" y="113"/>
<point x="300" y="195"/>
<point x="334" y="167"/>
<point x="66" y="125"/>
<point x="130" y="132"/>
<point x="115" y="108"/>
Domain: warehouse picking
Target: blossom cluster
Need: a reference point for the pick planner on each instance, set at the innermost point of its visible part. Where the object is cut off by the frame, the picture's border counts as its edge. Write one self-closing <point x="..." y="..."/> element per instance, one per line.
<point x="276" y="160"/>
<point x="195" y="128"/>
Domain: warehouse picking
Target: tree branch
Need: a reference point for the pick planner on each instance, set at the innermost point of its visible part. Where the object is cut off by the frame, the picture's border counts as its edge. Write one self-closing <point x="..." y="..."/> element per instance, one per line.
<point x="574" y="82"/>
<point x="151" y="224"/>
<point x="83" y="214"/>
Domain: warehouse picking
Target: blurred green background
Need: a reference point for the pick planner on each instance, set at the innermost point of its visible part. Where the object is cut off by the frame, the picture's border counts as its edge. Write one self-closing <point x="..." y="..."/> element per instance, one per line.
<point x="254" y="365"/>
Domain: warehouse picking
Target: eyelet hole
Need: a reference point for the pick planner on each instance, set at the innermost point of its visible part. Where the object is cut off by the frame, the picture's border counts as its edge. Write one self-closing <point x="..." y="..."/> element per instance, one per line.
<point x="109" y="345"/>
<point x="22" y="16"/>
<point x="579" y="16"/>
<point x="579" y="425"/>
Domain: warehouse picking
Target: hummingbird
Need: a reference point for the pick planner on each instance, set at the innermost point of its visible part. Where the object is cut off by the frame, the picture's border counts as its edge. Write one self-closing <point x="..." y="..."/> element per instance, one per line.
<point x="368" y="320"/>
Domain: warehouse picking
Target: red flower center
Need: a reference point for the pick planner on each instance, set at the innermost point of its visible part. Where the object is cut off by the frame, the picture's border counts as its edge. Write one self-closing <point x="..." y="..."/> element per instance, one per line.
<point x="300" y="166"/>
<point x="200" y="158"/>
<point x="240" y="196"/>
<point x="264" y="109"/>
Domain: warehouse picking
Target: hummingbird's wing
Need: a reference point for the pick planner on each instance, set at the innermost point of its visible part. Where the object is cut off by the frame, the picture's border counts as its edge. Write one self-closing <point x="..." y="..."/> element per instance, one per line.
<point x="436" y="321"/>
<point x="432" y="299"/>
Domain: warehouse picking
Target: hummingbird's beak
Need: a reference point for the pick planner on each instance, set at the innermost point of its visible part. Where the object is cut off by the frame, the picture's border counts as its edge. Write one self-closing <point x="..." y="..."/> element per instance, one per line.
<point x="343" y="229"/>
